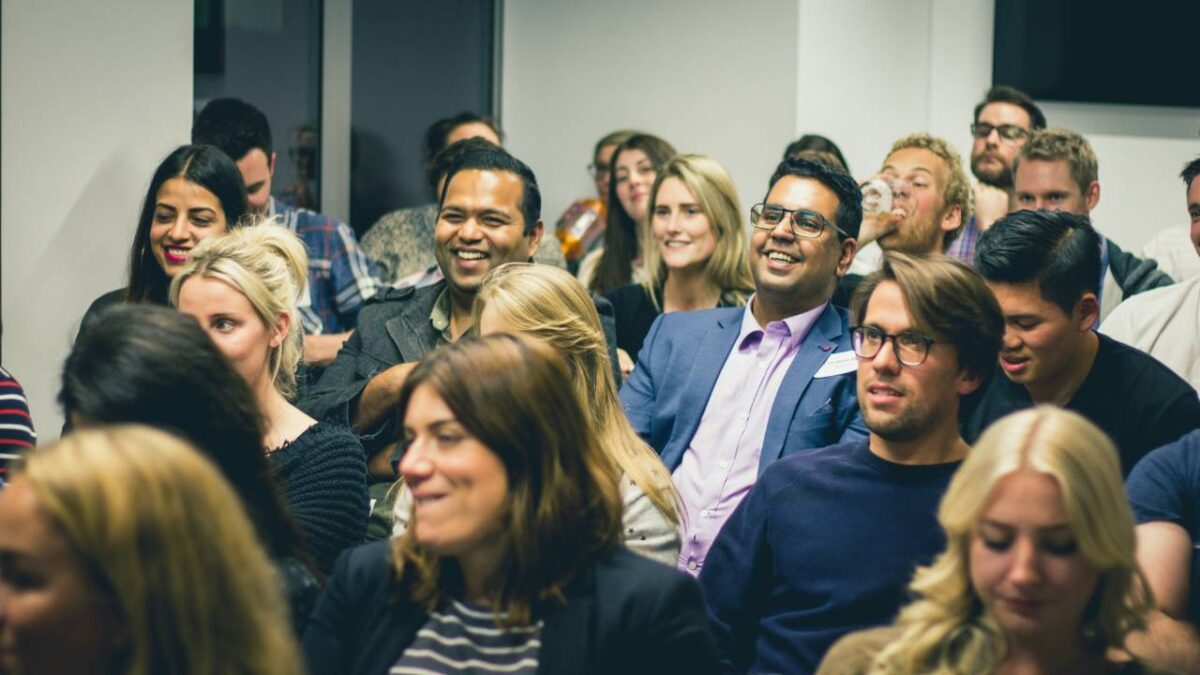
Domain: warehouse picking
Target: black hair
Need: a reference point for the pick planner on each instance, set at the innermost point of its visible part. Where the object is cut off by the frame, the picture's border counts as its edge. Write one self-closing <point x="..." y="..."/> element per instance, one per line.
<point x="1058" y="250"/>
<point x="204" y="165"/>
<point x="849" y="195"/>
<point x="156" y="366"/>
<point x="818" y="143"/>
<point x="1002" y="93"/>
<point x="450" y="155"/>
<point x="234" y="126"/>
<point x="1190" y="171"/>
<point x="488" y="157"/>
<point x="436" y="134"/>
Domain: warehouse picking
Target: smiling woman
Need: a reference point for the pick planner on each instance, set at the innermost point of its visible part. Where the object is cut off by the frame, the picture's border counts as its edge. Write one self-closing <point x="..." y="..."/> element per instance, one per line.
<point x="512" y="559"/>
<point x="1039" y="572"/>
<point x="696" y="252"/>
<point x="195" y="193"/>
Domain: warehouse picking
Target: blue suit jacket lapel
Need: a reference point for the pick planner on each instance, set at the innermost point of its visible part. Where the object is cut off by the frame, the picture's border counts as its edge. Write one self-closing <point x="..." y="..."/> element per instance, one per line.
<point x="705" y="368"/>
<point x="818" y="345"/>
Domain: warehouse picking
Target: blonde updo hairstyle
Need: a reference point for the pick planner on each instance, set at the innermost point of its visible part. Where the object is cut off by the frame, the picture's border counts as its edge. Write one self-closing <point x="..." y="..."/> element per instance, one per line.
<point x="268" y="265"/>
<point x="172" y="549"/>
<point x="946" y="630"/>
<point x="549" y="304"/>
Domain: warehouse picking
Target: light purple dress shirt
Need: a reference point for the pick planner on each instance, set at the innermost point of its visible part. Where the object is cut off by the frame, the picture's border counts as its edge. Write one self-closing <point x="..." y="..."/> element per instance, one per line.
<point x="721" y="462"/>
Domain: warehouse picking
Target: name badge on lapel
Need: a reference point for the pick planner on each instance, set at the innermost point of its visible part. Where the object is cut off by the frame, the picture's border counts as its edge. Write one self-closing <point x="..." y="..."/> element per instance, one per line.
<point x="839" y="363"/>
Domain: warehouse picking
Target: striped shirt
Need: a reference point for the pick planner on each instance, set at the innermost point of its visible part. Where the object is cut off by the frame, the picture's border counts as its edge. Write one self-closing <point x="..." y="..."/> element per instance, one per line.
<point x="16" y="427"/>
<point x="465" y="638"/>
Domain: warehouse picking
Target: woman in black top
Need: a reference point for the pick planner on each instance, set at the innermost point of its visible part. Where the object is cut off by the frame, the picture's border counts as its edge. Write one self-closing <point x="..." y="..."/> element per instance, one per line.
<point x="695" y="256"/>
<point x="515" y="531"/>
<point x="152" y="365"/>
<point x="242" y="287"/>
<point x="195" y="193"/>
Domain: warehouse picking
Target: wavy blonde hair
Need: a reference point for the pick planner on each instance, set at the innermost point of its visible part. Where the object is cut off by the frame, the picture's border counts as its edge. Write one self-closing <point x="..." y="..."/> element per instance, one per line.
<point x="946" y="630"/>
<point x="728" y="270"/>
<point x="268" y="264"/>
<point x="550" y="304"/>
<point x="172" y="548"/>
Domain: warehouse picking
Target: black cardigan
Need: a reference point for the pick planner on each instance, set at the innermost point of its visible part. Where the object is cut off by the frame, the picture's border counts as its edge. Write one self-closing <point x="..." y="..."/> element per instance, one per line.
<point x="625" y="614"/>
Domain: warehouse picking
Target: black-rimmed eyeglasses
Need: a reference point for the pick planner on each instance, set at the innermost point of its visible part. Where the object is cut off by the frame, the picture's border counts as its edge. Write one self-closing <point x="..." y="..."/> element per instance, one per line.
<point x="805" y="223"/>
<point x="1009" y="132"/>
<point x="911" y="348"/>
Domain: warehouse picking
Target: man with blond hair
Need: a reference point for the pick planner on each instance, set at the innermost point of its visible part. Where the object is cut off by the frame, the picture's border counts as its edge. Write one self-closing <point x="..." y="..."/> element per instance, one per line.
<point x="1056" y="170"/>
<point x="932" y="208"/>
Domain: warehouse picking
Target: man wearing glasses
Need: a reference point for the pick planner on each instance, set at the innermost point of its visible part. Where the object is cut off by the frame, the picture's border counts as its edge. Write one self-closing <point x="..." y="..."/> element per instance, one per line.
<point x="1003" y="122"/>
<point x="722" y="393"/>
<point x="827" y="541"/>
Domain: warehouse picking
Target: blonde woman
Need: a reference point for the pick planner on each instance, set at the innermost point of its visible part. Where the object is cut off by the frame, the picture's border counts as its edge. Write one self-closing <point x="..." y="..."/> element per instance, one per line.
<point x="696" y="255"/>
<point x="242" y="288"/>
<point x="549" y="304"/>
<point x="124" y="552"/>
<point x="1039" y="573"/>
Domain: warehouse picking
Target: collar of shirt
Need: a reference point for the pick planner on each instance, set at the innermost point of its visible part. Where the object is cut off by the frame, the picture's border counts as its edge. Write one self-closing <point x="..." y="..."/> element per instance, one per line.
<point x="440" y="316"/>
<point x="794" y="327"/>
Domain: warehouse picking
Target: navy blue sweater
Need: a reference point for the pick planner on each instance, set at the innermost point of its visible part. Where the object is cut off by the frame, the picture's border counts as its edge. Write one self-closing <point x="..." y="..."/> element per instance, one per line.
<point x="824" y="544"/>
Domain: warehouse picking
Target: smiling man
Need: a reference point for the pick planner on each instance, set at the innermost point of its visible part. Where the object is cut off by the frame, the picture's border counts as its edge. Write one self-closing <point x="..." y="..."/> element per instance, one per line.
<point x="828" y="539"/>
<point x="721" y="393"/>
<point x="489" y="214"/>
<point x="1044" y="268"/>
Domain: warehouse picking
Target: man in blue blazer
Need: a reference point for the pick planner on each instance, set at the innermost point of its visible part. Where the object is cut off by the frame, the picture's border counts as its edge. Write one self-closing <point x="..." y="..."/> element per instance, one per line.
<point x="722" y="393"/>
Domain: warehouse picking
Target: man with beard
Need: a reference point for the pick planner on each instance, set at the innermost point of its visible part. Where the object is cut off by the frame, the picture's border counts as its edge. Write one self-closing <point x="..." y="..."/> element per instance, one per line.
<point x="1003" y="122"/>
<point x="929" y="213"/>
<point x="827" y="540"/>
<point x="722" y="393"/>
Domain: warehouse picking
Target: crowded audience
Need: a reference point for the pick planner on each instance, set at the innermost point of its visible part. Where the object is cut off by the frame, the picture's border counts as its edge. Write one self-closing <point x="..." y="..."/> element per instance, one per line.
<point x="901" y="422"/>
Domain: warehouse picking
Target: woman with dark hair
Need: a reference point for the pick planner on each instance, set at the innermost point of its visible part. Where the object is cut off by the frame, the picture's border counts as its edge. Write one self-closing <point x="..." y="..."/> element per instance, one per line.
<point x="819" y="145"/>
<point x="195" y="193"/>
<point x="512" y="559"/>
<point x="634" y="167"/>
<point x="155" y="366"/>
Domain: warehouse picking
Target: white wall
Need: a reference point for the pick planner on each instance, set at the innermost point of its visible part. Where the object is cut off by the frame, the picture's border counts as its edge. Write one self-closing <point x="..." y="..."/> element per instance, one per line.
<point x="871" y="71"/>
<point x="709" y="76"/>
<point x="94" y="95"/>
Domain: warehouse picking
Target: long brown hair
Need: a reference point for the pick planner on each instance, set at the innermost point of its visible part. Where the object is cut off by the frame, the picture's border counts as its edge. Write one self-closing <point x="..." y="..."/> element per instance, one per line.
<point x="563" y="510"/>
<point x="622" y="236"/>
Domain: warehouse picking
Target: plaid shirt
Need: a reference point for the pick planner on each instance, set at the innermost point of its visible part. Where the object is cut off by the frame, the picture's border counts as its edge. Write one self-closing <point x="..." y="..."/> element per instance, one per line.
<point x="340" y="277"/>
<point x="963" y="246"/>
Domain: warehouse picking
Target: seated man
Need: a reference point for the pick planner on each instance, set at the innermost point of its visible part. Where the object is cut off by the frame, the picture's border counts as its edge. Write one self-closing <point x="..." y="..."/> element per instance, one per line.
<point x="1057" y="170"/>
<point x="828" y="539"/>
<point x="340" y="277"/>
<point x="490" y="214"/>
<point x="1164" y="491"/>
<point x="938" y="204"/>
<point x="1044" y="267"/>
<point x="1162" y="322"/>
<point x="721" y="393"/>
<point x="402" y="241"/>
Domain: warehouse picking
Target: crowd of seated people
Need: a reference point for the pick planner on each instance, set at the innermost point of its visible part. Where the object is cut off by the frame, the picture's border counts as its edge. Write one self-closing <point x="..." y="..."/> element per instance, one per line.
<point x="894" y="423"/>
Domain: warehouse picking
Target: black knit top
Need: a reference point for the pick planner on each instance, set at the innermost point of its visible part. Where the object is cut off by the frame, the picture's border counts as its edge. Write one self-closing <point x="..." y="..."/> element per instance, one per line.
<point x="323" y="473"/>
